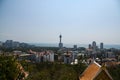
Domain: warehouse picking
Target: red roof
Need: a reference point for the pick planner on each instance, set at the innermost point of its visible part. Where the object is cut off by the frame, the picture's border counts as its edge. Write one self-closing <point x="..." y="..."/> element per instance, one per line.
<point x="93" y="70"/>
<point x="90" y="72"/>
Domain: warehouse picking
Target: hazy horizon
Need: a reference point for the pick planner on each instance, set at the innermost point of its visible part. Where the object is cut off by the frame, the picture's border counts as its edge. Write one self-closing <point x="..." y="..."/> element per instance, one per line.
<point x="107" y="46"/>
<point x="42" y="21"/>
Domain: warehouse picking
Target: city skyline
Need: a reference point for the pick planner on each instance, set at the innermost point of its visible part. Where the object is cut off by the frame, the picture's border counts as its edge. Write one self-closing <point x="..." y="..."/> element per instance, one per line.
<point x="42" y="21"/>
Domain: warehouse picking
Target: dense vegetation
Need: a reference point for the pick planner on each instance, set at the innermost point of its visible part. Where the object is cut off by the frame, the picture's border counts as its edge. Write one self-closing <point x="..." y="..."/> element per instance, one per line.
<point x="53" y="71"/>
<point x="115" y="72"/>
<point x="26" y="49"/>
<point x="45" y="71"/>
<point x="9" y="68"/>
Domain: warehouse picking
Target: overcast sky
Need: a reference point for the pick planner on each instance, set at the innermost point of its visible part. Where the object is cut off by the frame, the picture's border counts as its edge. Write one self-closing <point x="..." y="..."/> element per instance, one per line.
<point x="42" y="21"/>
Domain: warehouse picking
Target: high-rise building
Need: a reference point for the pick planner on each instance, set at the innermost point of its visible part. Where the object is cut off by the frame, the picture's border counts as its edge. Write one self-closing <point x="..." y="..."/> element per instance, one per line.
<point x="101" y="46"/>
<point x="75" y="47"/>
<point x="90" y="46"/>
<point x="8" y="44"/>
<point x="16" y="44"/>
<point x="60" y="43"/>
<point x="1" y="44"/>
<point x="94" y="45"/>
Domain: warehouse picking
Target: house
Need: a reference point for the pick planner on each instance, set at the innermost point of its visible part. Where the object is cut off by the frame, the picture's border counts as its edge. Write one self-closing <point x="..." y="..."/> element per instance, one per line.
<point x="95" y="72"/>
<point x="43" y="56"/>
<point x="67" y="58"/>
<point x="70" y="57"/>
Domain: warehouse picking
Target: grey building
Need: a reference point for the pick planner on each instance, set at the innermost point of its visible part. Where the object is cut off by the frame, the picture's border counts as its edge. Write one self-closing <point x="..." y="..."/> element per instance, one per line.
<point x="8" y="44"/>
<point x="101" y="46"/>
<point x="94" y="45"/>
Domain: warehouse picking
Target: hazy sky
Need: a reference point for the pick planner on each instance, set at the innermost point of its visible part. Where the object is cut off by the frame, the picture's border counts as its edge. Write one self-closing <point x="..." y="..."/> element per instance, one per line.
<point x="79" y="21"/>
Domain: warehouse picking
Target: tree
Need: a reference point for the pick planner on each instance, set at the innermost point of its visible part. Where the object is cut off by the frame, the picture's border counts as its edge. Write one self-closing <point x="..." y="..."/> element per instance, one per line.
<point x="55" y="71"/>
<point x="10" y="68"/>
<point x="114" y="72"/>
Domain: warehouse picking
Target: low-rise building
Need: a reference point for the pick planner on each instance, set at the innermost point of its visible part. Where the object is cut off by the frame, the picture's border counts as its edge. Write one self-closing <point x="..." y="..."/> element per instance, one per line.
<point x="70" y="56"/>
<point x="95" y="72"/>
<point x="43" y="56"/>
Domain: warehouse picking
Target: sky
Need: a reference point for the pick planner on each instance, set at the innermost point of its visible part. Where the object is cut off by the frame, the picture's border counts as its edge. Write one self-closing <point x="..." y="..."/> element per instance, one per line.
<point x="42" y="21"/>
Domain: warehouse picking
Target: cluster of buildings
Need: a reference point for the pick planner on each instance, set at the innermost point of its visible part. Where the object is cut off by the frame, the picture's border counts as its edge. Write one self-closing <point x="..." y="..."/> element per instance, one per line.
<point x="66" y="55"/>
<point x="33" y="56"/>
<point x="91" y="56"/>
<point x="95" y="47"/>
<point x="13" y="44"/>
<point x="44" y="56"/>
<point x="93" y="52"/>
<point x="101" y="53"/>
<point x="47" y="56"/>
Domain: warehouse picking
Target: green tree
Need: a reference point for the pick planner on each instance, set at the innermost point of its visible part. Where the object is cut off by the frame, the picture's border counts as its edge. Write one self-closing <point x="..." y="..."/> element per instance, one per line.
<point x="9" y="69"/>
<point x="55" y="71"/>
<point x="114" y="71"/>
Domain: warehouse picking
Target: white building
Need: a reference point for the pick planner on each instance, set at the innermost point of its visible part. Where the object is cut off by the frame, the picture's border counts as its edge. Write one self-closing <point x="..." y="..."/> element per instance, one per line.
<point x="70" y="57"/>
<point x="44" y="56"/>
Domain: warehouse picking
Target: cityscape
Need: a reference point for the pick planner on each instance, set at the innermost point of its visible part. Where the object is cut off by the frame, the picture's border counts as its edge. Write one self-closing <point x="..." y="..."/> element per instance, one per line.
<point x="93" y="55"/>
<point x="59" y="40"/>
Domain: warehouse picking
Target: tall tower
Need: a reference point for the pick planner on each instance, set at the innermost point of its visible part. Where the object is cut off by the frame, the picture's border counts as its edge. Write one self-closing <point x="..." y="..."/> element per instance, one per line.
<point x="101" y="46"/>
<point x="60" y="38"/>
<point x="60" y="43"/>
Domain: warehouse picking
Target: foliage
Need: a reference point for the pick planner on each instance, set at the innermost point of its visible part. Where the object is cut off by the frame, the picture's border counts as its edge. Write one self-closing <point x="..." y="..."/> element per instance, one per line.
<point x="55" y="71"/>
<point x="9" y="69"/>
<point x="115" y="72"/>
<point x="26" y="49"/>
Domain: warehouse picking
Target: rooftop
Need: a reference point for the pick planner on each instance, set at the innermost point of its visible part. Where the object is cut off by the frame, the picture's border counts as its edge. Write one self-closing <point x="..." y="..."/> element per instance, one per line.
<point x="96" y="72"/>
<point x="90" y="72"/>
